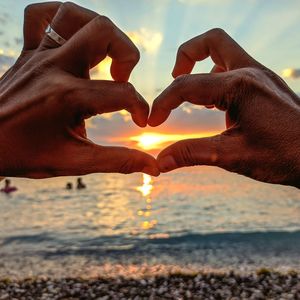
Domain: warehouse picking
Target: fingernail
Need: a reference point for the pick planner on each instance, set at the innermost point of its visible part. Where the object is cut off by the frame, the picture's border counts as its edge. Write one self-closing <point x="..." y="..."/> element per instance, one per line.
<point x="150" y="170"/>
<point x="167" y="163"/>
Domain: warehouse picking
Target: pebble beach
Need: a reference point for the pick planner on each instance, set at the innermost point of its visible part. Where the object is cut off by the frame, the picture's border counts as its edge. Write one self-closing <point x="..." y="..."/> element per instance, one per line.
<point x="263" y="284"/>
<point x="135" y="237"/>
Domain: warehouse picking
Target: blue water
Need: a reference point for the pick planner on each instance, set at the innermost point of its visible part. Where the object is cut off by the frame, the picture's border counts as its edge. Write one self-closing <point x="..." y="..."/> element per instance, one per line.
<point x="201" y="218"/>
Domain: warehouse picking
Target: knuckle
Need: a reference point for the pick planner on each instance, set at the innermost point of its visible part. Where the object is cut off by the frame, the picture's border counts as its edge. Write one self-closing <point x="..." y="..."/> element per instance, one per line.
<point x="135" y="55"/>
<point x="186" y="153"/>
<point x="68" y="94"/>
<point x="245" y="81"/>
<point x="69" y="5"/>
<point x="128" y="88"/>
<point x="31" y="9"/>
<point x="251" y="73"/>
<point x="217" y="153"/>
<point x="105" y="22"/>
<point x="216" y="33"/>
<point x="182" y="48"/>
<point x="34" y="8"/>
<point x="180" y="81"/>
<point x="132" y="163"/>
<point x="228" y="156"/>
<point x="80" y="14"/>
<point x="42" y="68"/>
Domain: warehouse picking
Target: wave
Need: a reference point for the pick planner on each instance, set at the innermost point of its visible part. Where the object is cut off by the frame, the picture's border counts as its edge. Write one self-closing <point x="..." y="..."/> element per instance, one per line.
<point x="263" y="243"/>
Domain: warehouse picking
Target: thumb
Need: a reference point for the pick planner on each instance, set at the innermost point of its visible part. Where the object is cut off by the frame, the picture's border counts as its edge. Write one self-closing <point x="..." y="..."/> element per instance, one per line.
<point x="88" y="157"/>
<point x="211" y="151"/>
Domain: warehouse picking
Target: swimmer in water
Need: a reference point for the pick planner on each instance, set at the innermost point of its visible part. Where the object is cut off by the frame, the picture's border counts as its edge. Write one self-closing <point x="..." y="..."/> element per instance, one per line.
<point x="8" y="188"/>
<point x="69" y="186"/>
<point x="80" y="184"/>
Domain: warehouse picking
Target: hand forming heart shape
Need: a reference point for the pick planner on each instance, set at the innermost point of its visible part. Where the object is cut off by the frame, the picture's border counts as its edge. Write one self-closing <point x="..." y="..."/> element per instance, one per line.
<point x="47" y="94"/>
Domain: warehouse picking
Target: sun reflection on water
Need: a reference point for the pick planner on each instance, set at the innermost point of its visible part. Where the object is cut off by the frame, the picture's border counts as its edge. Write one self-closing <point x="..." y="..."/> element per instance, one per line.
<point x="145" y="189"/>
<point x="147" y="186"/>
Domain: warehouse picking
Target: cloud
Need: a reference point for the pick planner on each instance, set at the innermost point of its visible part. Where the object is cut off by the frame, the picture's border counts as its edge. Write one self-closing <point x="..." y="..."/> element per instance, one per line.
<point x="7" y="44"/>
<point x="291" y="73"/>
<point x="117" y="128"/>
<point x="4" y="18"/>
<point x="6" y="62"/>
<point x="148" y="40"/>
<point x="18" y="41"/>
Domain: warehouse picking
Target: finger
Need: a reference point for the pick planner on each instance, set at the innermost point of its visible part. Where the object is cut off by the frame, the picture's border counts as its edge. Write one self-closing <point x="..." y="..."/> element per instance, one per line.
<point x="91" y="158"/>
<point x="36" y="19"/>
<point x="215" y="69"/>
<point x="91" y="97"/>
<point x="216" y="43"/>
<point x="99" y="38"/>
<point x="201" y="89"/>
<point x="219" y="150"/>
<point x="69" y="18"/>
<point x="87" y="157"/>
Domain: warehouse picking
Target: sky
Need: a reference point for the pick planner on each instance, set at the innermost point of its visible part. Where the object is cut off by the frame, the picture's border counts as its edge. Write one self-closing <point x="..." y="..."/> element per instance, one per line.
<point x="267" y="30"/>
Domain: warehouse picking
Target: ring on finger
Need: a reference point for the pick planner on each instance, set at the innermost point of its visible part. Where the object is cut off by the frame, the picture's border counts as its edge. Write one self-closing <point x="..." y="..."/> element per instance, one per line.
<point x="53" y="35"/>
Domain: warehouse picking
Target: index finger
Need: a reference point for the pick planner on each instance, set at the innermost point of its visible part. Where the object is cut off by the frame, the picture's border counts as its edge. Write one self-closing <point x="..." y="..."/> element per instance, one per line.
<point x="225" y="52"/>
<point x="63" y="22"/>
<point x="199" y="89"/>
<point x="36" y="19"/>
<point x="99" y="38"/>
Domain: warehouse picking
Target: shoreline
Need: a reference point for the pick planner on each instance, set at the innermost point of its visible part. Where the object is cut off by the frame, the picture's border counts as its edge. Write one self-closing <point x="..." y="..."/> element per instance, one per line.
<point x="263" y="284"/>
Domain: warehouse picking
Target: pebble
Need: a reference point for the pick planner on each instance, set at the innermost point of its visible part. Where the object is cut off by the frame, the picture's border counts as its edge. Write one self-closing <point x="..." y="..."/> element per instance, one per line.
<point x="266" y="285"/>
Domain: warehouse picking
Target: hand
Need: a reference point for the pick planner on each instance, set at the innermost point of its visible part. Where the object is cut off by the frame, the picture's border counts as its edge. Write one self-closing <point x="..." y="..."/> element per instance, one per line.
<point x="262" y="139"/>
<point x="47" y="94"/>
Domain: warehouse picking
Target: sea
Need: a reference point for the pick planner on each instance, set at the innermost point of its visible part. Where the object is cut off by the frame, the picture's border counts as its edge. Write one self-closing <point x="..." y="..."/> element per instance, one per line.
<point x="200" y="218"/>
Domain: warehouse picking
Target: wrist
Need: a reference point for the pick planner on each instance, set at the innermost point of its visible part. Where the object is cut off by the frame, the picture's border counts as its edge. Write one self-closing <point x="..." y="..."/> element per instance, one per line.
<point x="296" y="169"/>
<point x="292" y="154"/>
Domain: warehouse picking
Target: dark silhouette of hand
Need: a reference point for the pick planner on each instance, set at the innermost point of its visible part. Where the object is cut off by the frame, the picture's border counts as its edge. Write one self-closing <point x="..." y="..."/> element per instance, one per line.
<point x="47" y="94"/>
<point x="262" y="140"/>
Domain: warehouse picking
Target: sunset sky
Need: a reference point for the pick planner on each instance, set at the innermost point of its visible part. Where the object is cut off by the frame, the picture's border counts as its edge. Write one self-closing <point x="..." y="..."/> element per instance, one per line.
<point x="268" y="30"/>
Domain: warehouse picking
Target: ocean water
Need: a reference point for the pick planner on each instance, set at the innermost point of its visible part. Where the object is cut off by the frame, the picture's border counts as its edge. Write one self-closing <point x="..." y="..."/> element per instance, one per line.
<point x="198" y="218"/>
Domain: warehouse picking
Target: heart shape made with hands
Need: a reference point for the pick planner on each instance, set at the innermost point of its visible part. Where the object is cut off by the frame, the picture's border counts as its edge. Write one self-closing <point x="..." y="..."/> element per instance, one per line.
<point x="110" y="41"/>
<point x="47" y="95"/>
<point x="102" y="38"/>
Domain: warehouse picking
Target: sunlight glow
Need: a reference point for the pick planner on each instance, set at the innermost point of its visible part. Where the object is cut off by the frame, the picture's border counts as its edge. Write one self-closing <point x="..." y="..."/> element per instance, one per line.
<point x="147" y="39"/>
<point x="291" y="73"/>
<point x="286" y="73"/>
<point x="102" y="70"/>
<point x="151" y="140"/>
<point x="145" y="213"/>
<point x="147" y="186"/>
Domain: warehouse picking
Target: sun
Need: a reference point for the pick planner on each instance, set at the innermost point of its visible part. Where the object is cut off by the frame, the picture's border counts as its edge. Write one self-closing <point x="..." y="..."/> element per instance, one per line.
<point x="154" y="141"/>
<point x="149" y="141"/>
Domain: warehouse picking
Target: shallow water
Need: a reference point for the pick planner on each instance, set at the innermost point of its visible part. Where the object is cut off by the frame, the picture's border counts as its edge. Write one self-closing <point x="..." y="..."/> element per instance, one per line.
<point x="197" y="218"/>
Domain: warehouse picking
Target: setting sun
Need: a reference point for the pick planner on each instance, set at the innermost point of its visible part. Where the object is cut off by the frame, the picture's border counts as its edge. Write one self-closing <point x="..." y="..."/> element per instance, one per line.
<point x="152" y="140"/>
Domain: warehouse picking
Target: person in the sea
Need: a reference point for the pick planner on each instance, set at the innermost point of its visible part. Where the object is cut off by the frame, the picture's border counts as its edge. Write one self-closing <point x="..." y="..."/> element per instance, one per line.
<point x="69" y="186"/>
<point x="7" y="189"/>
<point x="46" y="96"/>
<point x="80" y="184"/>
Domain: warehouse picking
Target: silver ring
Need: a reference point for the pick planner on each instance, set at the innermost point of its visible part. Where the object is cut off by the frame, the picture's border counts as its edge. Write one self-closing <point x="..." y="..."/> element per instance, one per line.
<point x="53" y="35"/>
